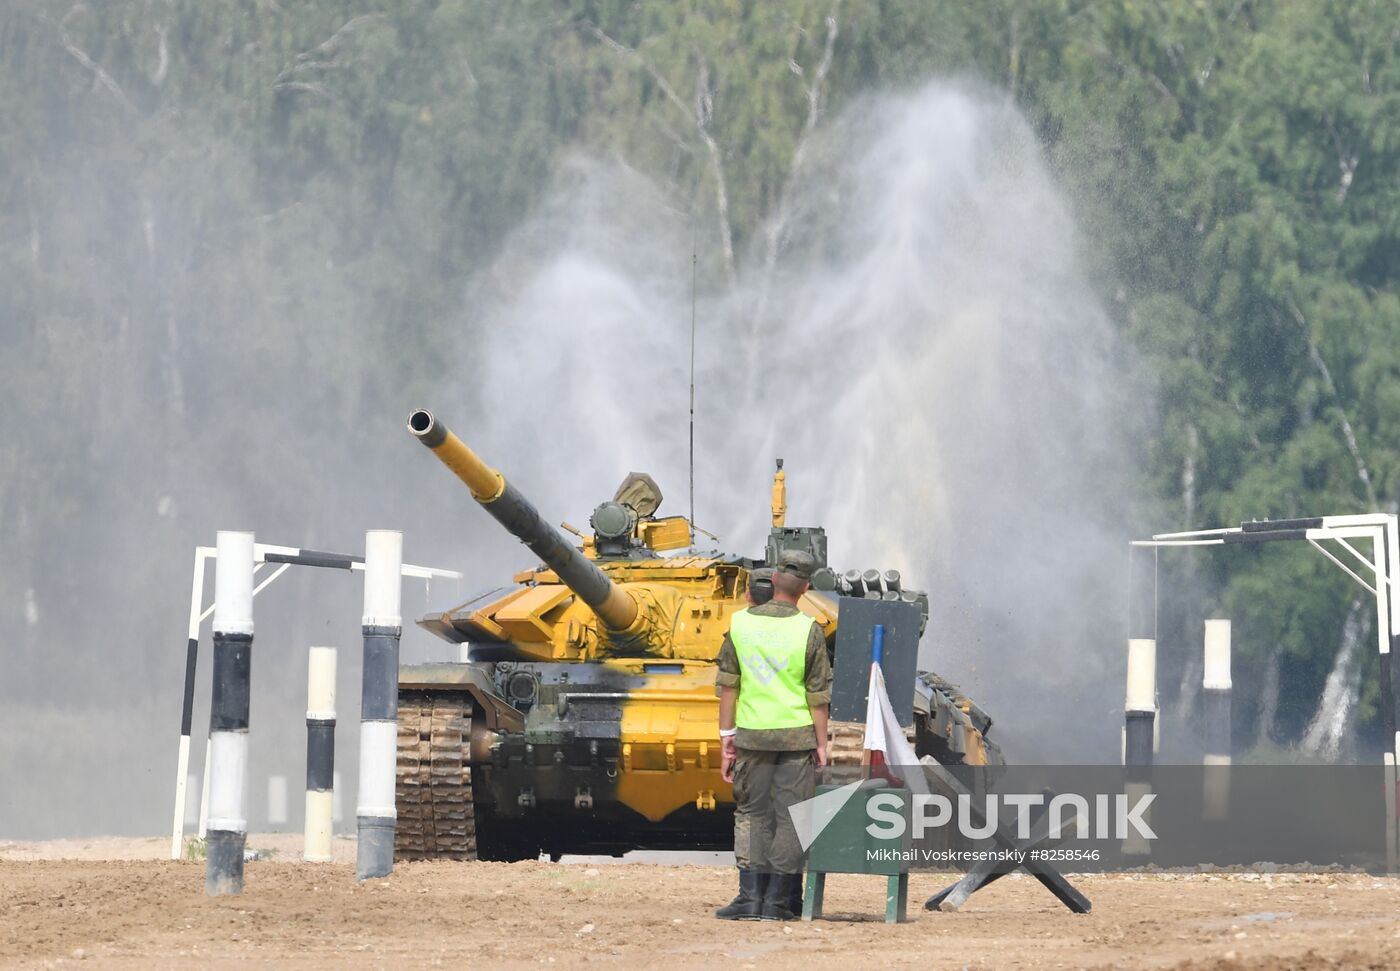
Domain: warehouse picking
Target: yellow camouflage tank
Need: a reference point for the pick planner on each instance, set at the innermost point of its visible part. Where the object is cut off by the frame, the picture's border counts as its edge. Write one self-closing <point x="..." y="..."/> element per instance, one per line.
<point x="584" y="717"/>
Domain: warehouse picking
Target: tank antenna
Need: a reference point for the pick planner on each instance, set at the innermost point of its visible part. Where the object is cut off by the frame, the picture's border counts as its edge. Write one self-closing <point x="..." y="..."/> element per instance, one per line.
<point x="693" y="274"/>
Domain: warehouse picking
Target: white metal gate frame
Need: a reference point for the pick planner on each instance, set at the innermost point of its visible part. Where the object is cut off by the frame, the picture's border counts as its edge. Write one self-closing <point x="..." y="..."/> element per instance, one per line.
<point x="282" y="557"/>
<point x="1383" y="567"/>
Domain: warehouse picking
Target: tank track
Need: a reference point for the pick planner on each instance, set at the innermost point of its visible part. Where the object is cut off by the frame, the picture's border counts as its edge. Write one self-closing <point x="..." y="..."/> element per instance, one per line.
<point x="436" y="809"/>
<point x="845" y="746"/>
<point x="845" y="743"/>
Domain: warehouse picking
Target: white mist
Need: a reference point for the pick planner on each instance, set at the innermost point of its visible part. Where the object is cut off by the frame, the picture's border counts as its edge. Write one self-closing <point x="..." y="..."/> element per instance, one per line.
<point x="925" y="353"/>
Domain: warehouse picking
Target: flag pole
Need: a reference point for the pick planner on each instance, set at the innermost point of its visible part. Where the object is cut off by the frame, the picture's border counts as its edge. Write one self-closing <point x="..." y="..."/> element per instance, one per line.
<point x="877" y="659"/>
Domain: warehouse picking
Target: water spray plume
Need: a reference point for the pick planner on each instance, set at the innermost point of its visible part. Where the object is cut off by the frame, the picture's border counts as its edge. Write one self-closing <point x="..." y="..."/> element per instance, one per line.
<point x="930" y="360"/>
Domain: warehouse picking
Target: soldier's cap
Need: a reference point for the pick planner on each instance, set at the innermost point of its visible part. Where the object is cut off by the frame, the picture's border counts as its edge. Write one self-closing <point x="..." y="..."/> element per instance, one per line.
<point x="761" y="585"/>
<point x="797" y="563"/>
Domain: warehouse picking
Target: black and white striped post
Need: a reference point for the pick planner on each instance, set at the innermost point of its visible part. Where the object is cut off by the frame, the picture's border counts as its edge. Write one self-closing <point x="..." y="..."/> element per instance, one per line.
<point x="228" y="714"/>
<point x="1140" y="704"/>
<point x="1140" y="701"/>
<point x="1374" y="573"/>
<point x="320" y="754"/>
<point x="281" y="558"/>
<point x="379" y="702"/>
<point x="1388" y="622"/>
<point x="1216" y="721"/>
<point x="1140" y="698"/>
<point x="182" y="765"/>
<point x="1139" y="735"/>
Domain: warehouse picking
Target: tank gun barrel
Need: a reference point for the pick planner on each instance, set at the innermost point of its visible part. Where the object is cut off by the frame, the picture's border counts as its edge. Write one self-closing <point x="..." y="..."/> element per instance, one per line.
<point x="613" y="605"/>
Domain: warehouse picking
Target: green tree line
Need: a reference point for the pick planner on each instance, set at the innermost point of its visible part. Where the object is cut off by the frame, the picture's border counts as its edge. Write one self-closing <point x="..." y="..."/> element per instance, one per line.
<point x="203" y="198"/>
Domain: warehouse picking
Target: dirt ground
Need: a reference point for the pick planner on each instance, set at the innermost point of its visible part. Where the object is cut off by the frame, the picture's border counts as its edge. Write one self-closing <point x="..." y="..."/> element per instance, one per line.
<point x="113" y="903"/>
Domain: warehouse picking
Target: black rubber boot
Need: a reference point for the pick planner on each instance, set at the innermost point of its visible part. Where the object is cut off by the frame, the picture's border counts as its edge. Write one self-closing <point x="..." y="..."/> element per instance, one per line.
<point x="778" y="896"/>
<point x="749" y="903"/>
<point x="795" y="897"/>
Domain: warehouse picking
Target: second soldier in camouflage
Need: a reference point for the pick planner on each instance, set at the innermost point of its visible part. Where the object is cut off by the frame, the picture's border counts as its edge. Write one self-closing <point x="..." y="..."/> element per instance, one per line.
<point x="775" y="687"/>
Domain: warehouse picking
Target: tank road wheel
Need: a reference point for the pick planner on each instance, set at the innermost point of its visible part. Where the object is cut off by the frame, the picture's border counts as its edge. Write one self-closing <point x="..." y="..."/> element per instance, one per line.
<point x="436" y="811"/>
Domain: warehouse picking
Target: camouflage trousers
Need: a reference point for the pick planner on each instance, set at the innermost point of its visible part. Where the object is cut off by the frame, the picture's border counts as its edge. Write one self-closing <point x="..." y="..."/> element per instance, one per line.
<point x="765" y="785"/>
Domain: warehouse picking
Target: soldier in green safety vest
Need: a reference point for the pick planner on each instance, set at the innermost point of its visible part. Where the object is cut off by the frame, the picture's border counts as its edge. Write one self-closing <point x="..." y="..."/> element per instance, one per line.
<point x="775" y="687"/>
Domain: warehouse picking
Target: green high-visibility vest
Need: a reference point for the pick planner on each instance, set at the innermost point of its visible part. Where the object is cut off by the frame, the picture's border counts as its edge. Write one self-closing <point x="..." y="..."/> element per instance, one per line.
<point x="772" y="669"/>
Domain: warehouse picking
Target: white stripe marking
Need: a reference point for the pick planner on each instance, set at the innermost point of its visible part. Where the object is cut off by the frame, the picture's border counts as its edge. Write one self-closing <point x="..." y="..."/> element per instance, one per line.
<point x="233" y="583"/>
<point x="228" y="807"/>
<point x="383" y="578"/>
<point x="378" y="754"/>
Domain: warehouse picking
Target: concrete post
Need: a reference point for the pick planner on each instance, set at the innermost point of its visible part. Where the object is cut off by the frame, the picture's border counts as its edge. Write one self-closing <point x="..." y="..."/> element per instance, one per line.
<point x="1140" y="704"/>
<point x="379" y="702"/>
<point x="1139" y="732"/>
<point x="1215" y="704"/>
<point x="228" y="715"/>
<point x="320" y="754"/>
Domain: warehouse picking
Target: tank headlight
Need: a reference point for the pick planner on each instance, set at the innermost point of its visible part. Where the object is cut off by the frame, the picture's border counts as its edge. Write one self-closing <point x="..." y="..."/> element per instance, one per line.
<point x="521" y="687"/>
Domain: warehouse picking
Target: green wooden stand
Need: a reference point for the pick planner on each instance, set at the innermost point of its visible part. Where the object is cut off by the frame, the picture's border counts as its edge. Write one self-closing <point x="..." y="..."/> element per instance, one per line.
<point x="845" y="846"/>
<point x="896" y="896"/>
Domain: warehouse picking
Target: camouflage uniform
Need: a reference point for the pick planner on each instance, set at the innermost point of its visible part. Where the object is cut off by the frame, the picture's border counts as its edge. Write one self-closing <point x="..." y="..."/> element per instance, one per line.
<point x="775" y="767"/>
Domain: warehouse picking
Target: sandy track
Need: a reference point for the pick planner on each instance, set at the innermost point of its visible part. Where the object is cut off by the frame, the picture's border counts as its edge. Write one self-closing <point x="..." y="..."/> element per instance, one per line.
<point x="139" y="914"/>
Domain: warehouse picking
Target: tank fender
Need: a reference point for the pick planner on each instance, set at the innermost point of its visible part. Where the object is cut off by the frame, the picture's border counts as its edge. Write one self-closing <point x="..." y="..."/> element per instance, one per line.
<point x="498" y="713"/>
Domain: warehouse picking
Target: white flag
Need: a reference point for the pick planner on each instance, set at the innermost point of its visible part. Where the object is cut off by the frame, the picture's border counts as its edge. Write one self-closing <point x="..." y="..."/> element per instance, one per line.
<point x="883" y="734"/>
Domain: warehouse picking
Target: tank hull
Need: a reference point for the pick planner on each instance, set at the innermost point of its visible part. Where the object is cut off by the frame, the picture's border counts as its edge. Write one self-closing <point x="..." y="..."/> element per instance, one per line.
<point x="506" y="760"/>
<point x="598" y="757"/>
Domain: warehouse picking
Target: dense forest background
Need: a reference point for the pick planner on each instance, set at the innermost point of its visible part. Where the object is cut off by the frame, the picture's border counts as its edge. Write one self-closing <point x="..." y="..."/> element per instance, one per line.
<point x="238" y="241"/>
